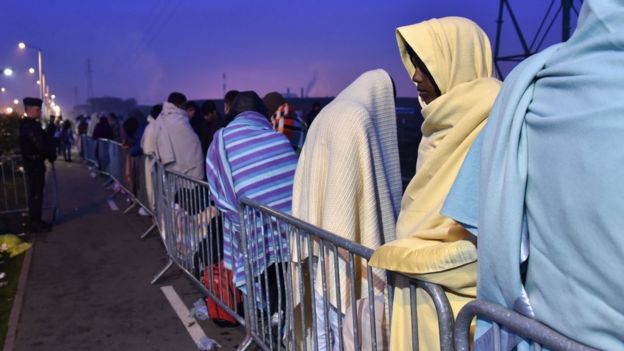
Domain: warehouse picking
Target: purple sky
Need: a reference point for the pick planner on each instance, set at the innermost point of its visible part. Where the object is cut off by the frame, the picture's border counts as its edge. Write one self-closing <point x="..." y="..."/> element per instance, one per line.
<point x="145" y="49"/>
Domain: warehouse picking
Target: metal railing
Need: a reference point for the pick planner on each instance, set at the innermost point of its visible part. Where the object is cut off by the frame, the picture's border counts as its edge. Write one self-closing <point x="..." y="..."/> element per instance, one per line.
<point x="530" y="330"/>
<point x="317" y="293"/>
<point x="14" y="187"/>
<point x="329" y="296"/>
<point x="277" y="312"/>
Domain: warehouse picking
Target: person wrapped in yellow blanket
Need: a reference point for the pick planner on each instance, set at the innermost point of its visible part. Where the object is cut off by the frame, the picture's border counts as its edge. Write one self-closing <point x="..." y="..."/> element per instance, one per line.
<point x="450" y="61"/>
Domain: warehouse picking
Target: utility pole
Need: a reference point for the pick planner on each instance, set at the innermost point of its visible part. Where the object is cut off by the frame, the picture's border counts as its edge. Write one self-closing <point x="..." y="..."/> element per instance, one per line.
<point x="90" y="92"/>
<point x="557" y="9"/>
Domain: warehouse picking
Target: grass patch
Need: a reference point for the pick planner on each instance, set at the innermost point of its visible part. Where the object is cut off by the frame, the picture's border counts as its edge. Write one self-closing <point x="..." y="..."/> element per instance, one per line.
<point x="7" y="292"/>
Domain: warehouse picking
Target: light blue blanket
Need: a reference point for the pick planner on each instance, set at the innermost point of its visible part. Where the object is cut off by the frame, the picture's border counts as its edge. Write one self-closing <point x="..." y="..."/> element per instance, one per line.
<point x="543" y="187"/>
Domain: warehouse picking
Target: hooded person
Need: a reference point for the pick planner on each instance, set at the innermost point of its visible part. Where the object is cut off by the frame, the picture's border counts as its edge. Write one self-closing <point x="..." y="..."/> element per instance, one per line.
<point x="177" y="145"/>
<point x="93" y="121"/>
<point x="348" y="182"/>
<point x="148" y="144"/>
<point x="450" y="60"/>
<point x="285" y="119"/>
<point x="249" y="159"/>
<point x="542" y="188"/>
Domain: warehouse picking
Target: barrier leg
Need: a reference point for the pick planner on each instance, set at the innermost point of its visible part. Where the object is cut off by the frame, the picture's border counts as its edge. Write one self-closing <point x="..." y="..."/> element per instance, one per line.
<point x="162" y="272"/>
<point x="248" y="307"/>
<point x="148" y="231"/>
<point x="132" y="206"/>
<point x="246" y="344"/>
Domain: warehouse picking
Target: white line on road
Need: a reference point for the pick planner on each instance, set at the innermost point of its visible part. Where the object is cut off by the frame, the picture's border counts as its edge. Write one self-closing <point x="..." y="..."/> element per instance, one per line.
<point x="112" y="205"/>
<point x="196" y="332"/>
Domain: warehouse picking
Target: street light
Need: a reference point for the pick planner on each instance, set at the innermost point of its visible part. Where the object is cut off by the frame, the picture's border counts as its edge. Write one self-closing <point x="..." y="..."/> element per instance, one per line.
<point x="31" y="70"/>
<point x="53" y="96"/>
<point x="9" y="110"/>
<point x="23" y="46"/>
<point x="7" y="72"/>
<point x="3" y="89"/>
<point x="16" y="101"/>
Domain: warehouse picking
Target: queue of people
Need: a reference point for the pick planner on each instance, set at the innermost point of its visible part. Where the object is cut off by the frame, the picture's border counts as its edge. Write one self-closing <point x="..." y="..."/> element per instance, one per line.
<point x="514" y="199"/>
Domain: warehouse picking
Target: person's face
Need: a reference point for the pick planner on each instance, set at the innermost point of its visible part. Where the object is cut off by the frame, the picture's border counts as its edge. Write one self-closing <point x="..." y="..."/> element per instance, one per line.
<point x="190" y="112"/>
<point x="426" y="87"/>
<point x="211" y="117"/>
<point x="33" y="112"/>
<point x="226" y="108"/>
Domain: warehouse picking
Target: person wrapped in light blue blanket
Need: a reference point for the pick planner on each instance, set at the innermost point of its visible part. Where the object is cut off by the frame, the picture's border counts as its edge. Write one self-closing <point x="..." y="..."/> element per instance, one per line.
<point x="543" y="187"/>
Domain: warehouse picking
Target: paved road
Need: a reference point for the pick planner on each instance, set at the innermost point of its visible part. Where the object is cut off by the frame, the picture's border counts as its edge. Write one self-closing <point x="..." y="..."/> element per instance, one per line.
<point x="88" y="287"/>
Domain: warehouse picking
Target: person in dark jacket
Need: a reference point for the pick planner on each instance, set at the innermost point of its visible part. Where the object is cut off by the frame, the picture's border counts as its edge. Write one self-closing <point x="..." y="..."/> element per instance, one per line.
<point x="228" y="100"/>
<point x="103" y="130"/>
<point x="36" y="147"/>
<point x="134" y="129"/>
<point x="67" y="140"/>
<point x="211" y="116"/>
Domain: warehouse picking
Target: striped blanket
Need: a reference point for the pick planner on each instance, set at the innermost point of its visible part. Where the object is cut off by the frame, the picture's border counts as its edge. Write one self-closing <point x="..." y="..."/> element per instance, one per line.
<point x="248" y="159"/>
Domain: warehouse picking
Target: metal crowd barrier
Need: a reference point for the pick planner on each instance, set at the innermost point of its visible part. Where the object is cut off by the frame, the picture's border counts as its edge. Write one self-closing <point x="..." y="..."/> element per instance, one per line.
<point x="296" y="318"/>
<point x="191" y="230"/>
<point x="14" y="187"/>
<point x="279" y="308"/>
<point x="537" y="334"/>
<point x="87" y="149"/>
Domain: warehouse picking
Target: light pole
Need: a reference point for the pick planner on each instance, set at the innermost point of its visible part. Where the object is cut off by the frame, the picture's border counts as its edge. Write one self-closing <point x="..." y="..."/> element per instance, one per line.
<point x="23" y="46"/>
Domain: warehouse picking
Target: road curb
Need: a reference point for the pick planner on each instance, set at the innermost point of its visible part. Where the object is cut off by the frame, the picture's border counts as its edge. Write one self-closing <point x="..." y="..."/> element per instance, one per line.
<point x="16" y="309"/>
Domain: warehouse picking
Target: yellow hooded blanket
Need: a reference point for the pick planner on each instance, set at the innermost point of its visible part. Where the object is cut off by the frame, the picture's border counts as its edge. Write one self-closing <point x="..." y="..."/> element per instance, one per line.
<point x="429" y="246"/>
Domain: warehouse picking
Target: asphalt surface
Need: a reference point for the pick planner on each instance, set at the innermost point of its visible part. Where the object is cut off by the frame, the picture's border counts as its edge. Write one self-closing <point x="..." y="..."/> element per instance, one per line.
<point x="88" y="286"/>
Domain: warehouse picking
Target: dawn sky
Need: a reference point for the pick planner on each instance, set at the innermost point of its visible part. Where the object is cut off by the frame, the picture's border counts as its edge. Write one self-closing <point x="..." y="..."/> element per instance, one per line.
<point x="145" y="49"/>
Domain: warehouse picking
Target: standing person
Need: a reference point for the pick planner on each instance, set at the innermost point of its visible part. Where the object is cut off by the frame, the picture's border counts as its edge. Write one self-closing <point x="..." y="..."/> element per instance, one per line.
<point x="148" y="144"/>
<point x="82" y="125"/>
<point x="54" y="130"/>
<point x="103" y="129"/>
<point x="134" y="128"/>
<point x="542" y="189"/>
<point x="36" y="148"/>
<point x="228" y="100"/>
<point x="249" y="159"/>
<point x="113" y="121"/>
<point x="82" y="131"/>
<point x="177" y="145"/>
<point x="198" y="123"/>
<point x="348" y="181"/>
<point x="67" y="140"/>
<point x="316" y="108"/>
<point x="285" y="120"/>
<point x="211" y="116"/>
<point x="93" y="122"/>
<point x="450" y="61"/>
